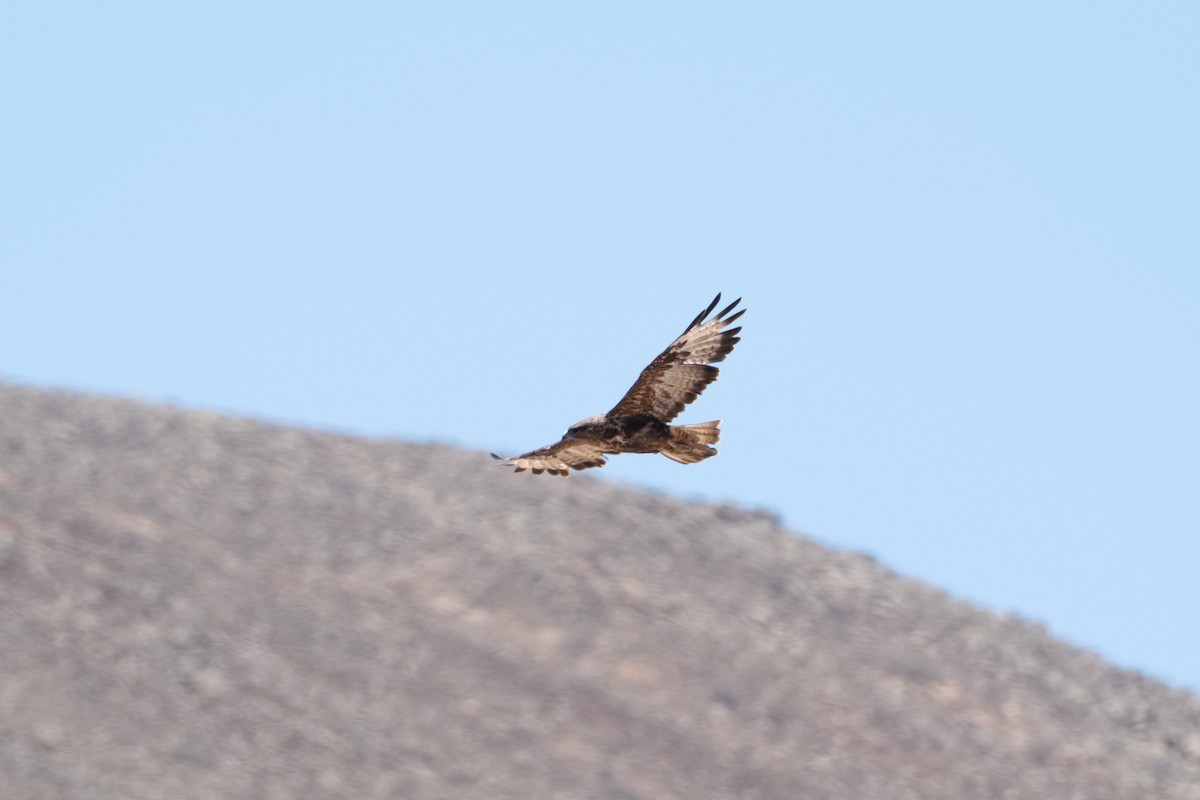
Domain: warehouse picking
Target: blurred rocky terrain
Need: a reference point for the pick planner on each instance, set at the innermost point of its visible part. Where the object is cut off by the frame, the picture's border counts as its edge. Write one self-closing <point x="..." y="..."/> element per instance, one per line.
<point x="198" y="606"/>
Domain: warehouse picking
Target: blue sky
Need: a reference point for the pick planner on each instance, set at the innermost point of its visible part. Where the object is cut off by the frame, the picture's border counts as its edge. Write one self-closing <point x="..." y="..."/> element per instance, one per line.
<point x="966" y="235"/>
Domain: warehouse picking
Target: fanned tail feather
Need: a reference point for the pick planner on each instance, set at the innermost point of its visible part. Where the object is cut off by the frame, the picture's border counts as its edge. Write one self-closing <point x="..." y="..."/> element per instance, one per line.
<point x="690" y="443"/>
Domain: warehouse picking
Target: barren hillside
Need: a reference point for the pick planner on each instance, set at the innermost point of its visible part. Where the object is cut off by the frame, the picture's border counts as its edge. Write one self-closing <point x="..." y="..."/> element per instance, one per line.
<point x="197" y="606"/>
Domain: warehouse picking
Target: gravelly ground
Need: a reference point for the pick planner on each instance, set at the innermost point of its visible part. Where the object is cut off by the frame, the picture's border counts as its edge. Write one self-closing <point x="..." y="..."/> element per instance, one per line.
<point x="195" y="606"/>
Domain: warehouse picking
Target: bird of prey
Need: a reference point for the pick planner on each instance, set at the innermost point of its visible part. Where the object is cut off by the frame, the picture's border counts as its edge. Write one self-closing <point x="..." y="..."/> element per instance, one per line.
<point x="639" y="423"/>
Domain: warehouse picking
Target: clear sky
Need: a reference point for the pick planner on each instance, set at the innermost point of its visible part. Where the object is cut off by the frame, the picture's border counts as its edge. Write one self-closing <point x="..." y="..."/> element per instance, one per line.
<point x="968" y="236"/>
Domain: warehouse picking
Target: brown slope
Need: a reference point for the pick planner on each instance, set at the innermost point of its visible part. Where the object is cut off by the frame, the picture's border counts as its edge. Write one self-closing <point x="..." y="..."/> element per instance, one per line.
<point x="193" y="606"/>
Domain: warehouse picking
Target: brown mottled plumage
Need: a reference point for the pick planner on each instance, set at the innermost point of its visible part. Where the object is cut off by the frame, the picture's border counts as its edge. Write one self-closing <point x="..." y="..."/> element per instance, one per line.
<point x="639" y="423"/>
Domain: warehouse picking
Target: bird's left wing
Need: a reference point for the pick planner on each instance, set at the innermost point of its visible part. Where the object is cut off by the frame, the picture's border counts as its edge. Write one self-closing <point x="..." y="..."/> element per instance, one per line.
<point x="559" y="458"/>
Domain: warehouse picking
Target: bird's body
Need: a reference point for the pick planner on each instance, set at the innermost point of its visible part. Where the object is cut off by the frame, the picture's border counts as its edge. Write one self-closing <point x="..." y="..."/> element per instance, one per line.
<point x="634" y="433"/>
<point x="640" y="422"/>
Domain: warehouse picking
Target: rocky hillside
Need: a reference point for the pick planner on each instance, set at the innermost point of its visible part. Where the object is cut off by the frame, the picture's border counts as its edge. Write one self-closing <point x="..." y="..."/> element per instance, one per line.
<point x="196" y="606"/>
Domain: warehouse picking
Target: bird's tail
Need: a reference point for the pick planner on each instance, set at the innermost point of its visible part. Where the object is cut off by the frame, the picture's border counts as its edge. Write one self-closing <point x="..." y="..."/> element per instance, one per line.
<point x="688" y="444"/>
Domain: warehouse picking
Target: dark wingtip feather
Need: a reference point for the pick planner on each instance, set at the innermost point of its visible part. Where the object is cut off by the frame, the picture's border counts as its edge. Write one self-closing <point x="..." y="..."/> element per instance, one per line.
<point x="729" y="308"/>
<point x="498" y="458"/>
<point x="700" y="317"/>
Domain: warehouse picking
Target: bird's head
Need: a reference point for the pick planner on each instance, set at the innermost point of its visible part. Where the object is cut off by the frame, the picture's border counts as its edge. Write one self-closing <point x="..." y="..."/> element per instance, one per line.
<point x="583" y="425"/>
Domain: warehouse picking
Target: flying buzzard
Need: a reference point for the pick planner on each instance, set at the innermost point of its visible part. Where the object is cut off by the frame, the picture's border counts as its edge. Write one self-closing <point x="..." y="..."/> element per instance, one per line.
<point x="638" y="424"/>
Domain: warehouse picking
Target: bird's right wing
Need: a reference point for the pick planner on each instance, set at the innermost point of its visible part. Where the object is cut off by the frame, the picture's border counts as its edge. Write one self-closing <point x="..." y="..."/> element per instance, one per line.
<point x="684" y="369"/>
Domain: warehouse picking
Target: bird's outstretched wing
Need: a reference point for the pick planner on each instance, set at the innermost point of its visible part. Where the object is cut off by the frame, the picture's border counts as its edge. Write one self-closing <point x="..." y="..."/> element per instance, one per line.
<point x="559" y="458"/>
<point x="682" y="371"/>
